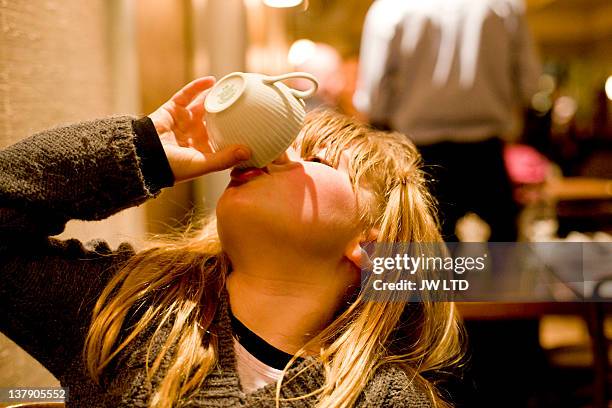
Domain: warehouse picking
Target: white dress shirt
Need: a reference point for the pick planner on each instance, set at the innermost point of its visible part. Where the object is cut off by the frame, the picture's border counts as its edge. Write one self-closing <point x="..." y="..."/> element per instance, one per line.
<point x="446" y="69"/>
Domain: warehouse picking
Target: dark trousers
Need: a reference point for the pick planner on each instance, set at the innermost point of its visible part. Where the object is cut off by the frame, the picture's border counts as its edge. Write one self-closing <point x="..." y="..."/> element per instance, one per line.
<point x="504" y="356"/>
<point x="471" y="177"/>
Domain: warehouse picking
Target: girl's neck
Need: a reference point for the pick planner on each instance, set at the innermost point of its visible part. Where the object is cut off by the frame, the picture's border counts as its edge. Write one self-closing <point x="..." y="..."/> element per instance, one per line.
<point x="286" y="312"/>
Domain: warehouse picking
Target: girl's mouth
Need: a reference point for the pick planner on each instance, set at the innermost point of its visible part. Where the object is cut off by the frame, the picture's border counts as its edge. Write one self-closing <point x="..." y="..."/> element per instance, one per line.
<point x="242" y="175"/>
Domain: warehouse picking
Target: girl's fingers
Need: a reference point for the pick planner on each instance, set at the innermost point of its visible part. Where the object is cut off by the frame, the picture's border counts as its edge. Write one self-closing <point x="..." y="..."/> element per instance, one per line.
<point x="188" y="163"/>
<point x="200" y="142"/>
<point x="226" y="158"/>
<point x="182" y="120"/>
<point x="182" y="116"/>
<point x="197" y="111"/>
<point x="197" y="104"/>
<point x="192" y="90"/>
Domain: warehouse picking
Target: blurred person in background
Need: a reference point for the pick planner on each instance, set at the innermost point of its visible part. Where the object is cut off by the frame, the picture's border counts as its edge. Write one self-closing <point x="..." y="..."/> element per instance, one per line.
<point x="451" y="74"/>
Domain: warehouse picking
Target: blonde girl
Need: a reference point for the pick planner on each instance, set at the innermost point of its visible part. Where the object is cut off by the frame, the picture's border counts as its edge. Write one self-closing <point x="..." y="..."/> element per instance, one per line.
<point x="256" y="306"/>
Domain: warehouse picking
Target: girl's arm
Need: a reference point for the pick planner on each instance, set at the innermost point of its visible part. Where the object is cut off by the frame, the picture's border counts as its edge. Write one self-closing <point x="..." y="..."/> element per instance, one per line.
<point x="85" y="171"/>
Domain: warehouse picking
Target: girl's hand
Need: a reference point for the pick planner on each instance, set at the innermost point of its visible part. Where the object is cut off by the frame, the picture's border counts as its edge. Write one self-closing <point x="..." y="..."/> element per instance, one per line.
<point x="181" y="129"/>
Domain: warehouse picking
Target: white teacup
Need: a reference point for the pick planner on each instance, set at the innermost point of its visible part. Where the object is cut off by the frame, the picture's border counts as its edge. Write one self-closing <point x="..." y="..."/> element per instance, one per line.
<point x="258" y="111"/>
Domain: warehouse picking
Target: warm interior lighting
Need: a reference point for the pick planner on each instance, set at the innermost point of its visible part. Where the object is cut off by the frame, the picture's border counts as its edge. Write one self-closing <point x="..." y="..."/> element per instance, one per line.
<point x="564" y="110"/>
<point x="609" y="87"/>
<point x="301" y="51"/>
<point x="541" y="102"/>
<point x="547" y="83"/>
<point x="282" y="3"/>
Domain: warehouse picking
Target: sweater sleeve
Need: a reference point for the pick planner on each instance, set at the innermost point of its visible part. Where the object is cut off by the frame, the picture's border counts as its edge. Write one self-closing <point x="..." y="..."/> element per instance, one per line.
<point x="85" y="171"/>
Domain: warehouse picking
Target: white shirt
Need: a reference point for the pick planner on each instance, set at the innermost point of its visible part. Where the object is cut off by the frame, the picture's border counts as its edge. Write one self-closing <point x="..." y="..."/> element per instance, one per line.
<point x="252" y="372"/>
<point x="450" y="70"/>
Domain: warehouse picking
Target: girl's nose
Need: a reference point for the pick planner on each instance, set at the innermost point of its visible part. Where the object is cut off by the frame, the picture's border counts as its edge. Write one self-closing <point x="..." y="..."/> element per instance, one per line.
<point x="286" y="156"/>
<point x="282" y="159"/>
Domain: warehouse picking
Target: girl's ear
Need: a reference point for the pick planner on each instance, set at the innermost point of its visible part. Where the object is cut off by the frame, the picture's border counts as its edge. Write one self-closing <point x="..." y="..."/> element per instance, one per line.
<point x="372" y="235"/>
<point x="355" y="252"/>
<point x="357" y="255"/>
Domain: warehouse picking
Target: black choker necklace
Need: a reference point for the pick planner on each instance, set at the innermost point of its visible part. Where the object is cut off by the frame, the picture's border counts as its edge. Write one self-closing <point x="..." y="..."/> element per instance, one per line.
<point x="258" y="347"/>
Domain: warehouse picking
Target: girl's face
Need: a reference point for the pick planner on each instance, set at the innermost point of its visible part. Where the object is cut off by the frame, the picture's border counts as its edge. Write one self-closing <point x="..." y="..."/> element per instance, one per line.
<point x="304" y="203"/>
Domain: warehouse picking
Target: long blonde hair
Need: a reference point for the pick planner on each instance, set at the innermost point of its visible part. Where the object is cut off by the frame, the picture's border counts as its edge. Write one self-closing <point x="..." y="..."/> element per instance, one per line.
<point x="181" y="279"/>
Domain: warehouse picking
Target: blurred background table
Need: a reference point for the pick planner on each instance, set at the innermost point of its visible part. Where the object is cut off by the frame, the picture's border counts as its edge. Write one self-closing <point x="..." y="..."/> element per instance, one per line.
<point x="593" y="313"/>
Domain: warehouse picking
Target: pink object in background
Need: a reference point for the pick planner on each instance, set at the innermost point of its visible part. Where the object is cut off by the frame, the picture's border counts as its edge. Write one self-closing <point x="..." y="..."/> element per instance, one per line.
<point x="525" y="165"/>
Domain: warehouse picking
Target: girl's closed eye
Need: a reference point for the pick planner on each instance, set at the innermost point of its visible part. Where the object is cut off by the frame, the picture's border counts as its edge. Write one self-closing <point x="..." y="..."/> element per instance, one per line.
<point x="317" y="159"/>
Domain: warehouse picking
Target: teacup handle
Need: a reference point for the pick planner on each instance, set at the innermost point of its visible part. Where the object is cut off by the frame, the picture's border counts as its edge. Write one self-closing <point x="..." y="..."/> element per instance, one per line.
<point x="295" y="92"/>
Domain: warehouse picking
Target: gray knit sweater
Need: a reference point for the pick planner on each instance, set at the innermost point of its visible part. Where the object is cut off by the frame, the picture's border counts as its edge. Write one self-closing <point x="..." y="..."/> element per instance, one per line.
<point x="48" y="287"/>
